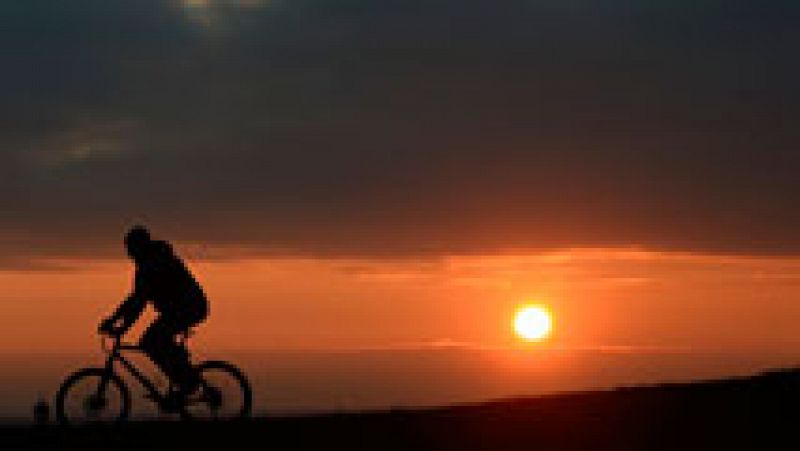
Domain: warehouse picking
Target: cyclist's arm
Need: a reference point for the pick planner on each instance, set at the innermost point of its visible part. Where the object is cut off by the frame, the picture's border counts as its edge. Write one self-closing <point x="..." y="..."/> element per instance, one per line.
<point x="129" y="310"/>
<point x="132" y="306"/>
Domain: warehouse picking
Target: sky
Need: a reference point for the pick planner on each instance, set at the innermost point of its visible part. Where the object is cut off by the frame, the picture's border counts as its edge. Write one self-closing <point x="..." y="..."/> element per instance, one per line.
<point x="365" y="128"/>
<point x="387" y="174"/>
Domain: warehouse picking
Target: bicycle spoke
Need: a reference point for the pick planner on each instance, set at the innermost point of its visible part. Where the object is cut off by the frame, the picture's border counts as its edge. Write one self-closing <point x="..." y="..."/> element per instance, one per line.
<point x="91" y="396"/>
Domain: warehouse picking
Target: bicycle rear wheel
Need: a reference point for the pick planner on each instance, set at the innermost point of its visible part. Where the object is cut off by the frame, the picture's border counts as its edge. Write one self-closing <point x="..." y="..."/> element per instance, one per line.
<point x="92" y="396"/>
<point x="224" y="394"/>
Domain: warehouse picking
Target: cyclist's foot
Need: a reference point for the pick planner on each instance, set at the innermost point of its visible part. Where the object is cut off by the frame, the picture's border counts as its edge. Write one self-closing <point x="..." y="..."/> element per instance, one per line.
<point x="173" y="401"/>
<point x="176" y="399"/>
<point x="212" y="396"/>
<point x="190" y="387"/>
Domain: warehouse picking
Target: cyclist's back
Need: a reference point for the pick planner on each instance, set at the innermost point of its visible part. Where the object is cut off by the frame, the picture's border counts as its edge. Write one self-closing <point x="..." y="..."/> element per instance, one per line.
<point x="163" y="278"/>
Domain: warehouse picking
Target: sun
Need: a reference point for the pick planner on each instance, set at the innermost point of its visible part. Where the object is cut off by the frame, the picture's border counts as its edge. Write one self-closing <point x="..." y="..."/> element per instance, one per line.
<point x="533" y="323"/>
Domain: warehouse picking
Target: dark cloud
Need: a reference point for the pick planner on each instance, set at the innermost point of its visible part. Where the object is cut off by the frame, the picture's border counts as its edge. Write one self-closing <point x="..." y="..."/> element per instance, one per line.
<point x="386" y="128"/>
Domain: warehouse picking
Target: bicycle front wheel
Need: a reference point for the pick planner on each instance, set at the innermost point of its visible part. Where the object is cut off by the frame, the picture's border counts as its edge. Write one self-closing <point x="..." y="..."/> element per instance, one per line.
<point x="224" y="394"/>
<point x="92" y="396"/>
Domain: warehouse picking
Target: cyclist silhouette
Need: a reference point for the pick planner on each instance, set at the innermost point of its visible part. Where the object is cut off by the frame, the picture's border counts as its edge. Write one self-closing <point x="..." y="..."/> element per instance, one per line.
<point x="163" y="280"/>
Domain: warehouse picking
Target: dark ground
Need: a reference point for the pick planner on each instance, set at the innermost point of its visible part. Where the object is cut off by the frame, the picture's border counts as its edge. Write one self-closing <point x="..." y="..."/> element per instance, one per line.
<point x="755" y="413"/>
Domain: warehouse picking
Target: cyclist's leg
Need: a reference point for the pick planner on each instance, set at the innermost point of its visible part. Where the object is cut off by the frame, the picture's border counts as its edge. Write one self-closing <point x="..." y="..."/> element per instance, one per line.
<point x="159" y="343"/>
<point x="183" y="372"/>
<point x="155" y="340"/>
<point x="187" y="376"/>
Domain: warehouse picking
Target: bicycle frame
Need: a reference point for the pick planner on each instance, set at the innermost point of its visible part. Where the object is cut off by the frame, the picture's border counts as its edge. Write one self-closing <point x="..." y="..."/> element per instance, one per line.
<point x="115" y="355"/>
<point x="209" y="395"/>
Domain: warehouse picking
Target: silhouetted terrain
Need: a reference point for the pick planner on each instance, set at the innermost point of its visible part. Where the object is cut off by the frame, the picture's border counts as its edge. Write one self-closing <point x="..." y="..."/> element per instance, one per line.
<point x="756" y="413"/>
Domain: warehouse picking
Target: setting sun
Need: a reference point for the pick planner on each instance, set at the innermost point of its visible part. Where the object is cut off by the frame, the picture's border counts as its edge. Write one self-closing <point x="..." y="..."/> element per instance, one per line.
<point x="533" y="323"/>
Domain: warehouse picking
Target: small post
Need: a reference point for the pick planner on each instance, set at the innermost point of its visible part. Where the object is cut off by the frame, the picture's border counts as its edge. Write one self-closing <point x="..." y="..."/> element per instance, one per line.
<point x="41" y="413"/>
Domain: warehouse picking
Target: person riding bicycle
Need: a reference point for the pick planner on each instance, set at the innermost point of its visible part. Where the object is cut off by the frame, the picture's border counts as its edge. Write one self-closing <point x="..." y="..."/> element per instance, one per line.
<point x="162" y="279"/>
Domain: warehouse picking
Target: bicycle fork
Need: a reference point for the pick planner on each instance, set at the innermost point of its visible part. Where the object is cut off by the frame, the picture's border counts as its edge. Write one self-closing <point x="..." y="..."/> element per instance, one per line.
<point x="98" y="400"/>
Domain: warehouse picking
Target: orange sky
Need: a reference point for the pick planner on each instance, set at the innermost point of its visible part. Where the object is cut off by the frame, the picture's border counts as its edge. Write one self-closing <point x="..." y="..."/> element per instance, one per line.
<point x="599" y="297"/>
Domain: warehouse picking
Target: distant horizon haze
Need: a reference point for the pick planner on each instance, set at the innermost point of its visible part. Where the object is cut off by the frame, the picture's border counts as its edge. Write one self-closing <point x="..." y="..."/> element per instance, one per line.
<point x="598" y="298"/>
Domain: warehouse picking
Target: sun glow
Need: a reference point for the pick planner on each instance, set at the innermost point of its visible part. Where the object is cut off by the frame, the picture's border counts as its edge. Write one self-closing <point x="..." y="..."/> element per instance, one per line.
<point x="533" y="323"/>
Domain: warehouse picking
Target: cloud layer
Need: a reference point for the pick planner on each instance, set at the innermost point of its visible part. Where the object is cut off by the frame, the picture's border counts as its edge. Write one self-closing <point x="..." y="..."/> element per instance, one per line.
<point x="389" y="128"/>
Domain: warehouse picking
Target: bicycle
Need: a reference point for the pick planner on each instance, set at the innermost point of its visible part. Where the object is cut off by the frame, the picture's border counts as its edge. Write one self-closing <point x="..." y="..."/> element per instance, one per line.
<point x="100" y="396"/>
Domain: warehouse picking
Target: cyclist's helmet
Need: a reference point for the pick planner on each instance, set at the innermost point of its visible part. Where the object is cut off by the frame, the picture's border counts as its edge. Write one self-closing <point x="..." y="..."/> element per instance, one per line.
<point x="136" y="240"/>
